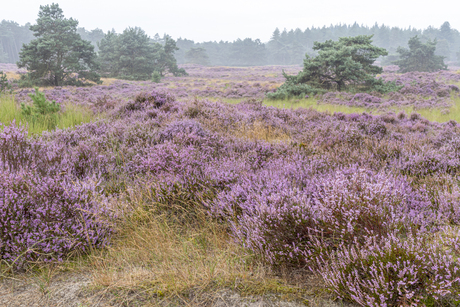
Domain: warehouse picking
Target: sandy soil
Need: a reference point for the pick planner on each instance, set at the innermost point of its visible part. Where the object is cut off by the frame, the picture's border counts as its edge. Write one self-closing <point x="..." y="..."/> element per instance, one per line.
<point x="72" y="290"/>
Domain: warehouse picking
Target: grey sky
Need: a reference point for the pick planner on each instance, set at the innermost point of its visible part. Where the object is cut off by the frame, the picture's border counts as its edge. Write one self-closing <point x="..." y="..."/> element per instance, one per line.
<point x="204" y="20"/>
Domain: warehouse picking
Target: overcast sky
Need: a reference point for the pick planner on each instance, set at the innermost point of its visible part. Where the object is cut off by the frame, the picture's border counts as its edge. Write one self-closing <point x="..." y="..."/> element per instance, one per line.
<point x="205" y="20"/>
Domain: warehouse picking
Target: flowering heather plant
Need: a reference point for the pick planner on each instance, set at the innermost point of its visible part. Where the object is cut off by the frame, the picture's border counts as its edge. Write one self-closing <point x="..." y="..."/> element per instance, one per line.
<point x="49" y="208"/>
<point x="15" y="149"/>
<point x="285" y="217"/>
<point x="296" y="186"/>
<point x="49" y="218"/>
<point x="155" y="99"/>
<point x="185" y="129"/>
<point x="396" y="272"/>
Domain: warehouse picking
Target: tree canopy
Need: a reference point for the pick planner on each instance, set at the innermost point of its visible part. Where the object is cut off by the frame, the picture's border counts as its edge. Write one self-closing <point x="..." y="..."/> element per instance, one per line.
<point x="247" y="52"/>
<point x="338" y="65"/>
<point x="420" y="57"/>
<point x="58" y="55"/>
<point x="197" y="56"/>
<point x="286" y="47"/>
<point x="133" y="55"/>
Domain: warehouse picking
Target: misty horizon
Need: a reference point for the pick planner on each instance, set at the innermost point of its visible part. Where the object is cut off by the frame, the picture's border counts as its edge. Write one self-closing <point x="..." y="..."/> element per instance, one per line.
<point x="204" y="21"/>
<point x="156" y="34"/>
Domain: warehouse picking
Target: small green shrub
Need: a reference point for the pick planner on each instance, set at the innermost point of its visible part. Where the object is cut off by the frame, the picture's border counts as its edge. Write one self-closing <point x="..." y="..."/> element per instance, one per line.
<point x="291" y="90"/>
<point x="41" y="106"/>
<point x="378" y="85"/>
<point x="41" y="110"/>
<point x="156" y="76"/>
<point x="5" y="86"/>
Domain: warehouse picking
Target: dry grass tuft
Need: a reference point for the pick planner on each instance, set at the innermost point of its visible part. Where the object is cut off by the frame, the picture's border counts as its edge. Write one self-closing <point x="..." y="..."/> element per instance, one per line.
<point x="259" y="130"/>
<point x="158" y="258"/>
<point x="12" y="75"/>
<point x="108" y="81"/>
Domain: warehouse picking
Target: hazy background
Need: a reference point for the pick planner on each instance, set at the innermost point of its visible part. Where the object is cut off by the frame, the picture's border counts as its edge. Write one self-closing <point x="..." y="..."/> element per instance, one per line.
<point x="207" y="20"/>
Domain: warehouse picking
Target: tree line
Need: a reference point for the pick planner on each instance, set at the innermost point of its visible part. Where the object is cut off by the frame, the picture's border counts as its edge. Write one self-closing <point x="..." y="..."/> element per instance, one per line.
<point x="284" y="47"/>
<point x="58" y="55"/>
<point x="13" y="36"/>
<point x="289" y="47"/>
<point x="347" y="65"/>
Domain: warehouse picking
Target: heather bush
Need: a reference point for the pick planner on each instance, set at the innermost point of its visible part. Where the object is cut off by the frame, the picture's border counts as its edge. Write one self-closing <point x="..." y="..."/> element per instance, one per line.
<point x="16" y="150"/>
<point x="293" y="186"/>
<point x="50" y="203"/>
<point x="285" y="217"/>
<point x="184" y="129"/>
<point x="154" y="99"/>
<point x="393" y="272"/>
<point x="49" y="218"/>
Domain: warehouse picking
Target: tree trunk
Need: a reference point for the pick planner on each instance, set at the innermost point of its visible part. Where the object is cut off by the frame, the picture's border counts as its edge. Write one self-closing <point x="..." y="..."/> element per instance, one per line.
<point x="340" y="85"/>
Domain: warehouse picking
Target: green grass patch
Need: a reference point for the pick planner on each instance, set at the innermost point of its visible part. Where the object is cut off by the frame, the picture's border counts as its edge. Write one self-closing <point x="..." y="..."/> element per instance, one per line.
<point x="69" y="116"/>
<point x="432" y="114"/>
<point x="312" y="103"/>
<point x="440" y="115"/>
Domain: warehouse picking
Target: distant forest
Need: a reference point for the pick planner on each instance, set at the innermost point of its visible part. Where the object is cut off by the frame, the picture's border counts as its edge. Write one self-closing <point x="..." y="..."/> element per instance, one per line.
<point x="284" y="47"/>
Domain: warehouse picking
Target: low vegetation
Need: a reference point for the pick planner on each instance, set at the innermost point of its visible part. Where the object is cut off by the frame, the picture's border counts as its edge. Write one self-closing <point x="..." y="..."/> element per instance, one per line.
<point x="195" y="195"/>
<point x="166" y="193"/>
<point x="70" y="115"/>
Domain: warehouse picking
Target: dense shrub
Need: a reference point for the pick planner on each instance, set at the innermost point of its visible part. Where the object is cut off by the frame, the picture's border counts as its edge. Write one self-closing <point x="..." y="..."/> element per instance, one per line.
<point x="49" y="207"/>
<point x="40" y="106"/>
<point x="290" y="90"/>
<point x="295" y="186"/>
<point x="155" y="99"/>
<point x="285" y="217"/>
<point x="49" y="218"/>
<point x="394" y="272"/>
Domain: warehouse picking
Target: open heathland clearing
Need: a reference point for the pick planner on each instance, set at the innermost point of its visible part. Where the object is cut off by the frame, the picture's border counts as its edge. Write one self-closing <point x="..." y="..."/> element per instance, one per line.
<point x="199" y="191"/>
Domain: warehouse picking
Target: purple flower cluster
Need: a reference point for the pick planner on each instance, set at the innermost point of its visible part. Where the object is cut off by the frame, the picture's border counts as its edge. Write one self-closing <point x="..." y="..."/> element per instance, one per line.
<point x="49" y="206"/>
<point x="420" y="90"/>
<point x="288" y="213"/>
<point x="395" y="272"/>
<point x="217" y="82"/>
<point x="354" y="197"/>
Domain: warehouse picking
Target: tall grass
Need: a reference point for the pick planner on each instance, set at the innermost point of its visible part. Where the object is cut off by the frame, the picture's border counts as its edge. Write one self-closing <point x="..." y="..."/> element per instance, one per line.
<point x="69" y="116"/>
<point x="312" y="103"/>
<point x="162" y="258"/>
<point x="432" y="114"/>
<point x="440" y="115"/>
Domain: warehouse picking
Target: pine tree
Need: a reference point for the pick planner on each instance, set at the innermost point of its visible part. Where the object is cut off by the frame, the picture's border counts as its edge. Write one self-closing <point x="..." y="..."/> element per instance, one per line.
<point x="58" y="55"/>
<point x="419" y="57"/>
